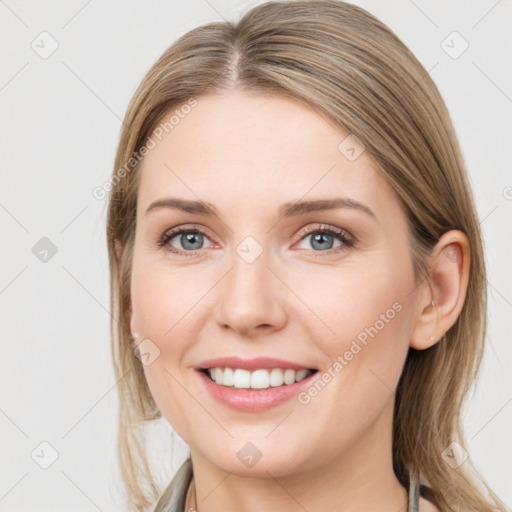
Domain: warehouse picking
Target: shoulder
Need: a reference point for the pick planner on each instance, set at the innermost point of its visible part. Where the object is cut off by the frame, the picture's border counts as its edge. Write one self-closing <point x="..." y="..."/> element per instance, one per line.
<point x="427" y="506"/>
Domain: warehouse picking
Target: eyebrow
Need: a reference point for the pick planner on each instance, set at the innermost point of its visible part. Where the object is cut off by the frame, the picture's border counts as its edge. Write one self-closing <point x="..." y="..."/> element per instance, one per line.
<point x="290" y="209"/>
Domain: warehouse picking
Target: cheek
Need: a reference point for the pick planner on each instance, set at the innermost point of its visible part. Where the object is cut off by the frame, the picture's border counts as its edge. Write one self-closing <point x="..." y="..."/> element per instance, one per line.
<point x="163" y="311"/>
<point x="362" y="324"/>
<point x="164" y="301"/>
<point x="365" y="357"/>
<point x="168" y="310"/>
<point x="354" y="301"/>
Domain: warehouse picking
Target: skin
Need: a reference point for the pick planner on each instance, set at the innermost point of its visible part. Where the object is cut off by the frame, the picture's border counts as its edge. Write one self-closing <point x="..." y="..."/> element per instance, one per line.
<point x="247" y="154"/>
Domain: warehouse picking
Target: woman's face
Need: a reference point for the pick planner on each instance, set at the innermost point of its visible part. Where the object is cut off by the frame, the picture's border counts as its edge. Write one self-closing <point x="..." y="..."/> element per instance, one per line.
<point x="249" y="282"/>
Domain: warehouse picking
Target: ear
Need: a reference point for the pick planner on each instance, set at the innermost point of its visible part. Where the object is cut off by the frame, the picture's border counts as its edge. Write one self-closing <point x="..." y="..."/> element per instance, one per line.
<point x="448" y="275"/>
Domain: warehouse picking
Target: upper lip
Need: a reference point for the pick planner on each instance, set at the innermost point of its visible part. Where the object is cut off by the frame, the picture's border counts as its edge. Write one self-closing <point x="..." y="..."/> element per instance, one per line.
<point x="250" y="364"/>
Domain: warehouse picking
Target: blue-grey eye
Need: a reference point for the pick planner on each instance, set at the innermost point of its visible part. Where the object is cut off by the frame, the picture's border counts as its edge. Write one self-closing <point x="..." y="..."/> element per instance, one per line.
<point x="323" y="240"/>
<point x="190" y="240"/>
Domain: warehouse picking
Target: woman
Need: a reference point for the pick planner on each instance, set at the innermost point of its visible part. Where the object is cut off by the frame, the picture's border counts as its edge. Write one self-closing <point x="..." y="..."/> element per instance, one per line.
<point x="297" y="271"/>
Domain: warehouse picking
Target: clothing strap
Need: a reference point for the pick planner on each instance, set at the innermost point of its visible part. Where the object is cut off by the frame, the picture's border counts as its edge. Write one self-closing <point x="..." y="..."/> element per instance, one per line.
<point x="414" y="495"/>
<point x="174" y="497"/>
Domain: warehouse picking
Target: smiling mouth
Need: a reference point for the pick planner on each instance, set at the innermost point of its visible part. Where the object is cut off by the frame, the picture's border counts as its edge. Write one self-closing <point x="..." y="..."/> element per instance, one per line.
<point x="237" y="378"/>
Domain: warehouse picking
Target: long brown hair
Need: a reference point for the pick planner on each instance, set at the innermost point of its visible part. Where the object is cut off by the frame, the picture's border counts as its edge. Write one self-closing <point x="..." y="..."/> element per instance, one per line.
<point x="341" y="60"/>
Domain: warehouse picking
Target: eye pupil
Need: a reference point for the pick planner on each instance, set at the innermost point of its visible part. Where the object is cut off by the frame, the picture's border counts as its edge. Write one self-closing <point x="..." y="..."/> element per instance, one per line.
<point x="187" y="238"/>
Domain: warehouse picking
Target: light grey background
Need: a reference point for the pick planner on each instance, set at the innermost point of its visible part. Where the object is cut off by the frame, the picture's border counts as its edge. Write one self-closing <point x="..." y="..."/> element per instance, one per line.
<point x="60" y="122"/>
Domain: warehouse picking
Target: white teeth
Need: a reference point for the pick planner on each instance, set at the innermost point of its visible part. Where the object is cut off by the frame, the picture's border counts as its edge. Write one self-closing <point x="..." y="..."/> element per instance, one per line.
<point x="217" y="375"/>
<point x="289" y="376"/>
<point x="257" y="379"/>
<point x="227" y="377"/>
<point x="276" y="377"/>
<point x="241" y="378"/>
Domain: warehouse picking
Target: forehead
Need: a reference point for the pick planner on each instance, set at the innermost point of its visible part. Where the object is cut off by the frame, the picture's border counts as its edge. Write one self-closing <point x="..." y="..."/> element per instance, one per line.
<point x="255" y="149"/>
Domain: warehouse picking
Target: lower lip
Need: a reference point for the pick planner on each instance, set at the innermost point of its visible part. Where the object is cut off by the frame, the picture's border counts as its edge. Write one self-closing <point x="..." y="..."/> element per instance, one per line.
<point x="254" y="400"/>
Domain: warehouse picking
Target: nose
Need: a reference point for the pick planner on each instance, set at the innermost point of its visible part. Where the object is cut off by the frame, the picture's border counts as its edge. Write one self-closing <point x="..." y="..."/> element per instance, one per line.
<point x="251" y="298"/>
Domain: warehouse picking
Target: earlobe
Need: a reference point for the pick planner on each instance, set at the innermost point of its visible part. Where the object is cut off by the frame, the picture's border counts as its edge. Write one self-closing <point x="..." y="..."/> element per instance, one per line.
<point x="441" y="298"/>
<point x="134" y="339"/>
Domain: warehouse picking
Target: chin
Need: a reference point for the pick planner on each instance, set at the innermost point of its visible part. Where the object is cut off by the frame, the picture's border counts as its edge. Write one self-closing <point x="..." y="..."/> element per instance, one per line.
<point x="249" y="460"/>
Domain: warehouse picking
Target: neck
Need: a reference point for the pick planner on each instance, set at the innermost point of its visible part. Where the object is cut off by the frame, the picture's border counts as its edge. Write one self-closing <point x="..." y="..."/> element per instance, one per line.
<point x="358" y="479"/>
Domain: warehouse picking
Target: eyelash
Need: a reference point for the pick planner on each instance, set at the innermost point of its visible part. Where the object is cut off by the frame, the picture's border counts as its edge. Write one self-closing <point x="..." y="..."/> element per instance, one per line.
<point x="347" y="240"/>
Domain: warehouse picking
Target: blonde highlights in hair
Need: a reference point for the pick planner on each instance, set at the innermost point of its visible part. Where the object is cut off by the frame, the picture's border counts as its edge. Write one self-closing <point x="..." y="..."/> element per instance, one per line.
<point x="341" y="60"/>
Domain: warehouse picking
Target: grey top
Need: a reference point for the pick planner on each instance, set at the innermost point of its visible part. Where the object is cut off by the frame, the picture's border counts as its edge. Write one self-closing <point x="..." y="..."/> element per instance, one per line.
<point x="173" y="498"/>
